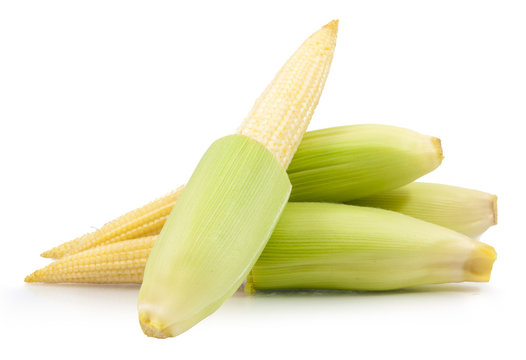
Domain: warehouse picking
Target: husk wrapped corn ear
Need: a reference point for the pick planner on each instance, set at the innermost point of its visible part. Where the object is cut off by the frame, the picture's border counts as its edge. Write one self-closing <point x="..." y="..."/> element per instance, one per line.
<point x="231" y="204"/>
<point x="467" y="211"/>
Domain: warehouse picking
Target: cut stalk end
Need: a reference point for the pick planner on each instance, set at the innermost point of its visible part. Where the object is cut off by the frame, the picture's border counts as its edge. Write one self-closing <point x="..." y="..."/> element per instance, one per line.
<point x="249" y="285"/>
<point x="480" y="262"/>
<point x="437" y="143"/>
<point x="151" y="328"/>
<point x="494" y="209"/>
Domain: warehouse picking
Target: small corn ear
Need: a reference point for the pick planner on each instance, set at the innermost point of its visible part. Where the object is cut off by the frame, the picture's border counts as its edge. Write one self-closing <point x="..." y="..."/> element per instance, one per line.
<point x="118" y="263"/>
<point x="144" y="221"/>
<point x="227" y="212"/>
<point x="344" y="163"/>
<point x="213" y="235"/>
<point x="467" y="211"/>
<point x="336" y="246"/>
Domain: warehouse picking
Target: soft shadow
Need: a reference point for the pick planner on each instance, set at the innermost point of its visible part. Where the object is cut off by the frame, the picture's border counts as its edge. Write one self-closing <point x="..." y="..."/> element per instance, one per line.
<point x="445" y="288"/>
<point x="129" y="292"/>
<point x="83" y="287"/>
<point x="83" y="292"/>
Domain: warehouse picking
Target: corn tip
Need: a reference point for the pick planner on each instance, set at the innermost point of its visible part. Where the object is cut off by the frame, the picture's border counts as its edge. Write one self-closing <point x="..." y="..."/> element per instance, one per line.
<point x="35" y="276"/>
<point x="59" y="251"/>
<point x="332" y="25"/>
<point x="50" y="254"/>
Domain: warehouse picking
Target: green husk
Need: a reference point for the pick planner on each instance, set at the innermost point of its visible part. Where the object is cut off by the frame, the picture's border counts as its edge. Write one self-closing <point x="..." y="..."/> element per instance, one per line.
<point x="213" y="236"/>
<point x="345" y="247"/>
<point x="467" y="211"/>
<point x="344" y="163"/>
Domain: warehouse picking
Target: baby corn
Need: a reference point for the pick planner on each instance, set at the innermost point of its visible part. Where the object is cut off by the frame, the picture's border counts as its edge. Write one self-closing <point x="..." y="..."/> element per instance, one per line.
<point x="336" y="246"/>
<point x="467" y="211"/>
<point x="335" y="164"/>
<point x="146" y="220"/>
<point x="118" y="263"/>
<point x="349" y="162"/>
<point x="229" y="208"/>
<point x="315" y="245"/>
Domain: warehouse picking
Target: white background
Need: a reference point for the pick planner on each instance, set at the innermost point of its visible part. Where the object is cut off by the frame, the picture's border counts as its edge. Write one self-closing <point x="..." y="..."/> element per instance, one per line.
<point x="105" y="105"/>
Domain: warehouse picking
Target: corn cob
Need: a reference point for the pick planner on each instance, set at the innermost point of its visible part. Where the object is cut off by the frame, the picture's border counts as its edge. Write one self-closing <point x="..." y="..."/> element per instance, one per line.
<point x="118" y="263"/>
<point x="315" y="245"/>
<point x="225" y="216"/>
<point x="466" y="211"/>
<point x="335" y="164"/>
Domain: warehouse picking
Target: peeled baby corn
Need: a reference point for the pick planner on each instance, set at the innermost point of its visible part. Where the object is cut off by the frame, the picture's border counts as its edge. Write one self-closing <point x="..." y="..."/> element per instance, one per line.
<point x="146" y="220"/>
<point x="335" y="164"/>
<point x="467" y="211"/>
<point x="315" y="245"/>
<point x="118" y="263"/>
<point x="229" y="208"/>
